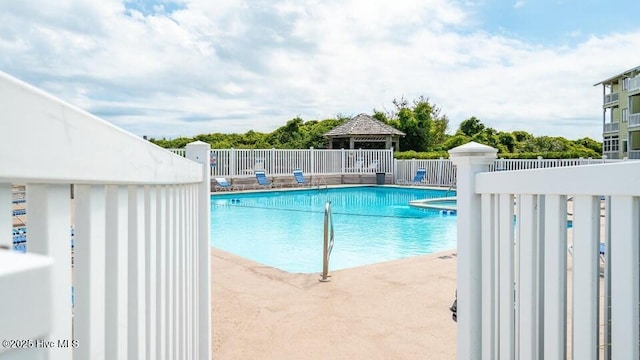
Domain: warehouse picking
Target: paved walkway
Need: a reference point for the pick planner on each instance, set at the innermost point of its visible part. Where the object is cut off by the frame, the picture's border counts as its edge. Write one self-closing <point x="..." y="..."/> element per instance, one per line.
<point x="392" y="310"/>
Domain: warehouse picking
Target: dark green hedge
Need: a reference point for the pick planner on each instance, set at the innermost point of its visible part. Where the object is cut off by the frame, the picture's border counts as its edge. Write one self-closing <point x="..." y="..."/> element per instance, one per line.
<point x="421" y="155"/>
<point x="575" y="154"/>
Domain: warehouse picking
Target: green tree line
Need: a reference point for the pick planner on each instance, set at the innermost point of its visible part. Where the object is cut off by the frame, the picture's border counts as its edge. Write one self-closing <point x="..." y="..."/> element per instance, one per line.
<point x="426" y="130"/>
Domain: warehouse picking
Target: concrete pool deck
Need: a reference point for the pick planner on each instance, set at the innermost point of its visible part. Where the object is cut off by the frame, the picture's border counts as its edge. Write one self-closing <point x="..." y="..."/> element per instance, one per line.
<point x="392" y="310"/>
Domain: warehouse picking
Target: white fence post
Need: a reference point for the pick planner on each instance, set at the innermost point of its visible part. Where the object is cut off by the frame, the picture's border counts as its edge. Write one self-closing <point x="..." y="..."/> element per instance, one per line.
<point x="440" y="181"/>
<point x="198" y="151"/>
<point x="470" y="159"/>
<point x="232" y="162"/>
<point x="395" y="171"/>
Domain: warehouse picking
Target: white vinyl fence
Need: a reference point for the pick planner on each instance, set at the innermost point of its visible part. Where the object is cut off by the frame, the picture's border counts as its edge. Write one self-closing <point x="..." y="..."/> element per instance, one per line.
<point x="136" y="283"/>
<point x="440" y="172"/>
<point x="539" y="163"/>
<point x="516" y="283"/>
<point x="244" y="162"/>
<point x="279" y="162"/>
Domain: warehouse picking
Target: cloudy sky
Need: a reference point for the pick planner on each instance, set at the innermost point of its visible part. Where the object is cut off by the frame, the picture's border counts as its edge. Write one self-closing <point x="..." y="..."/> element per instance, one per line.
<point x="186" y="67"/>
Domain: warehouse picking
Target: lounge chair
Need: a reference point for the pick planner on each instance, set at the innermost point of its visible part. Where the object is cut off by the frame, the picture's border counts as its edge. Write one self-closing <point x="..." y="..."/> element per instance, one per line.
<point x="299" y="178"/>
<point x="261" y="177"/>
<point x="222" y="184"/>
<point x="417" y="180"/>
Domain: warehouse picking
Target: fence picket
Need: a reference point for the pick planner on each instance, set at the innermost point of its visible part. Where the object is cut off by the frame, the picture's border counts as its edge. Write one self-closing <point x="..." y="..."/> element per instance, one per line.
<point x="624" y="275"/>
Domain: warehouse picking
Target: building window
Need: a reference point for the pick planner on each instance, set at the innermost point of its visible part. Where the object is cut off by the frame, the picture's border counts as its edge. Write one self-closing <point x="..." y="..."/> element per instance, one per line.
<point x="625" y="83"/>
<point x="625" y="115"/>
<point x="625" y="146"/>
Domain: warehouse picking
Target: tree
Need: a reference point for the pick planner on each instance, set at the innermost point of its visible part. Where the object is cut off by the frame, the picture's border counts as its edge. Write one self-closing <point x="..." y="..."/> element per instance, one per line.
<point x="315" y="131"/>
<point x="421" y="122"/>
<point x="439" y="130"/>
<point x="471" y="126"/>
<point x="589" y="143"/>
<point x="456" y="140"/>
<point x="289" y="136"/>
<point x="380" y="116"/>
<point x="521" y="136"/>
<point x="507" y="140"/>
<point x="425" y="129"/>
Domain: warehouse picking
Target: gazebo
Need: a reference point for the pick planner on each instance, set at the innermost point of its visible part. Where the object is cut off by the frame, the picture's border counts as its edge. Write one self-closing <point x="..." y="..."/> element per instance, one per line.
<point x="363" y="131"/>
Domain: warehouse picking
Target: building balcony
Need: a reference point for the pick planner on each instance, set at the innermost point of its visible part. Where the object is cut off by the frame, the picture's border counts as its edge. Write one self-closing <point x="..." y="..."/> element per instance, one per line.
<point x="611" y="99"/>
<point x="634" y="120"/>
<point x="633" y="154"/>
<point x="634" y="84"/>
<point x="611" y="127"/>
<point x="611" y="154"/>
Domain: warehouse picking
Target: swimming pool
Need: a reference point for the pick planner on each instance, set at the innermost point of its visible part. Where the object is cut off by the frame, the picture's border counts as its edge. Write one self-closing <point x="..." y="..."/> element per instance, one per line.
<point x="449" y="203"/>
<point x="284" y="229"/>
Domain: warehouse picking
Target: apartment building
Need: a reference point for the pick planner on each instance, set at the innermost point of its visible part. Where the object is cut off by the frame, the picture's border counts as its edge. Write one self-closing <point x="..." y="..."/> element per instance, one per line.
<point x="621" y="115"/>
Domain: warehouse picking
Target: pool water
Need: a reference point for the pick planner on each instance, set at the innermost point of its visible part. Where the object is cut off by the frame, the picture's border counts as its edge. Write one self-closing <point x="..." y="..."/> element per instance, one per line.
<point x="284" y="229"/>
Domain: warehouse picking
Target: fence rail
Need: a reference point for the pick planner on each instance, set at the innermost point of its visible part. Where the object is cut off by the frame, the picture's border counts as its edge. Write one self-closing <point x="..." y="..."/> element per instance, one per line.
<point x="513" y="277"/>
<point x="136" y="282"/>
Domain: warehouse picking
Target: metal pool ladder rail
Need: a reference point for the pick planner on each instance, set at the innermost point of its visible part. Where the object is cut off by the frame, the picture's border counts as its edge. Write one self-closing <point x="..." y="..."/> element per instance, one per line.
<point x="321" y="182"/>
<point x="449" y="189"/>
<point x="328" y="241"/>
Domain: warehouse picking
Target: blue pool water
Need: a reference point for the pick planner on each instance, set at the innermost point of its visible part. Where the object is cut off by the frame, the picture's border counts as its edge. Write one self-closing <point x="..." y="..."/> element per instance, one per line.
<point x="284" y="229"/>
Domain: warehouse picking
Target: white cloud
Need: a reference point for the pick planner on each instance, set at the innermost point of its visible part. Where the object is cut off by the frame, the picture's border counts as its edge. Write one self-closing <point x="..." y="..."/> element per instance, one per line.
<point x="237" y="65"/>
<point x="518" y="4"/>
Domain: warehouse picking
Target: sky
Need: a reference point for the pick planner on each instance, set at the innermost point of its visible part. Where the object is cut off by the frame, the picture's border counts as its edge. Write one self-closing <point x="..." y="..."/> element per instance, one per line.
<point x="168" y="68"/>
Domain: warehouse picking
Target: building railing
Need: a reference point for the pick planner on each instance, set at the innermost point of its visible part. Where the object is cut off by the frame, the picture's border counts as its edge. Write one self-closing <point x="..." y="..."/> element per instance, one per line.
<point x="634" y="120"/>
<point x="611" y="127"/>
<point x="611" y="98"/>
<point x="633" y="154"/>
<point x="513" y="276"/>
<point x="612" y="155"/>
<point x="136" y="283"/>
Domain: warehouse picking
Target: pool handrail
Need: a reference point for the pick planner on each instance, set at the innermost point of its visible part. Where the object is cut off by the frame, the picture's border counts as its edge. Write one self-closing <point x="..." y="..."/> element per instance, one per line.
<point x="328" y="241"/>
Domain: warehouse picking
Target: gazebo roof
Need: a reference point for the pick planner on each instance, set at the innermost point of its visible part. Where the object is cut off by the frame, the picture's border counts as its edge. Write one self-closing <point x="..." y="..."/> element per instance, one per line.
<point x="363" y="124"/>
